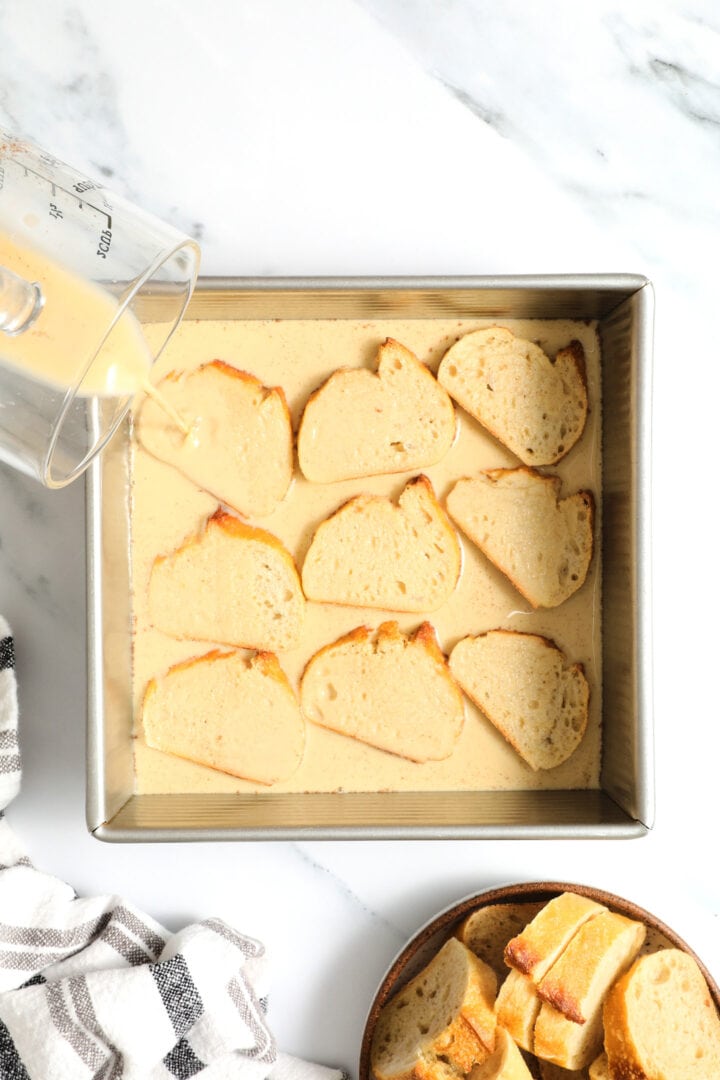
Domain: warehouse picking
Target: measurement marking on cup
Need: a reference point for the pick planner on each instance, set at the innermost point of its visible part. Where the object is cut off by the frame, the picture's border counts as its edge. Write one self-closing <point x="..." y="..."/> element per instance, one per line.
<point x="81" y="203"/>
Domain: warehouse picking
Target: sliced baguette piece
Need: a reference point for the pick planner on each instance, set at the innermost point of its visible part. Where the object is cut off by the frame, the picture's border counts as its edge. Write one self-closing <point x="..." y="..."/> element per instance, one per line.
<point x="538" y="946"/>
<point x="487" y="931"/>
<point x="525" y="687"/>
<point x="597" y="954"/>
<point x="388" y="689"/>
<point x="517" y="1007"/>
<point x="535" y="406"/>
<point x="240" y="445"/>
<point x="505" y="1063"/>
<point x="661" y="1022"/>
<point x="362" y="423"/>
<point x="440" y="1024"/>
<point x="542" y="543"/>
<point x="599" y="1068"/>
<point x="373" y="552"/>
<point x="231" y="583"/>
<point x="578" y="983"/>
<point x="236" y="714"/>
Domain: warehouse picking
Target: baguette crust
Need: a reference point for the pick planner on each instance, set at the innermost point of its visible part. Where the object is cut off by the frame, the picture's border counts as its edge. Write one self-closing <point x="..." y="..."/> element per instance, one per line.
<point x="542" y="543"/>
<point x="391" y="690"/>
<point x="360" y="423"/>
<point x="597" y="954"/>
<point x="533" y="405"/>
<point x="249" y="588"/>
<point x="245" y="458"/>
<point x="375" y="553"/>
<point x="505" y="1063"/>
<point x="535" y="950"/>
<point x="440" y="1024"/>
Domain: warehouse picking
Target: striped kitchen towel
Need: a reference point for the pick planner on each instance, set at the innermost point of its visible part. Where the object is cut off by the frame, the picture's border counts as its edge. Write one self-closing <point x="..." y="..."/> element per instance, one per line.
<point x="93" y="988"/>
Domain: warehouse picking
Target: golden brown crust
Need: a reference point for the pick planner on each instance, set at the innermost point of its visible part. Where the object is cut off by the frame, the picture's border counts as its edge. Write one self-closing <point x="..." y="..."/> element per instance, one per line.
<point x="266" y="662"/>
<point x="533" y="951"/>
<point x="554" y="994"/>
<point x="575" y="352"/>
<point x="426" y="636"/>
<point x="232" y="526"/>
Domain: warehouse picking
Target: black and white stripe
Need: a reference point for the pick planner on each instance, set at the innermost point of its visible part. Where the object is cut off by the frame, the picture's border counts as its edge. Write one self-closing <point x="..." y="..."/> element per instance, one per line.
<point x="7" y="653"/>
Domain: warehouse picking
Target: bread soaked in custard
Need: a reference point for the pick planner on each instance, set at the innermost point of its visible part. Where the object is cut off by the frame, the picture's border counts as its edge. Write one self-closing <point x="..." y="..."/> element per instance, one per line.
<point x="299" y="355"/>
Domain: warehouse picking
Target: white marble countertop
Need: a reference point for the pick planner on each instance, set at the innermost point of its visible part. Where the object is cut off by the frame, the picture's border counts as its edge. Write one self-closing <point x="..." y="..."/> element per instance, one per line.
<point x="383" y="137"/>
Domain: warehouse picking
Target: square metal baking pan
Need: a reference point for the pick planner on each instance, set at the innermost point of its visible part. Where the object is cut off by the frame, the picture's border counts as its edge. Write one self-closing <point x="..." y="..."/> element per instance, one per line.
<point x="623" y="806"/>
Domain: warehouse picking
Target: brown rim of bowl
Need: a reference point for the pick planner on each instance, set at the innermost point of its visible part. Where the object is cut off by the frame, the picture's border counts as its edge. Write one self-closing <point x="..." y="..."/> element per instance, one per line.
<point x="444" y="924"/>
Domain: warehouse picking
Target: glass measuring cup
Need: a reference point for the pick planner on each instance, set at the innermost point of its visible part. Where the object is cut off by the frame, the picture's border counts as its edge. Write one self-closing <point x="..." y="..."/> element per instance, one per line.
<point x="91" y="289"/>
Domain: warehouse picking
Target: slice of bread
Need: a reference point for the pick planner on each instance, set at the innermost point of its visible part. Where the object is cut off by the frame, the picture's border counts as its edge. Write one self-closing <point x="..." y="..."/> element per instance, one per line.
<point x="542" y="543"/>
<point x="440" y="1024"/>
<point x="239" y="447"/>
<point x="578" y="983"/>
<point x="538" y="946"/>
<point x="597" y="954"/>
<point x="517" y="1008"/>
<point x="535" y="406"/>
<point x="360" y="423"/>
<point x="523" y="686"/>
<point x="599" y="1068"/>
<point x="661" y="1022"/>
<point x="231" y="583"/>
<point x="236" y="714"/>
<point x="505" y="1063"/>
<point x="487" y="931"/>
<point x="388" y="689"/>
<point x="373" y="552"/>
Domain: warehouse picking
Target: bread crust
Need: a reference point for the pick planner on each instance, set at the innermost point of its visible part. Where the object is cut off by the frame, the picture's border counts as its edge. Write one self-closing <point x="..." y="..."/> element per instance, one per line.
<point x="535" y="950"/>
<point x="505" y="1063"/>
<point x="568" y="985"/>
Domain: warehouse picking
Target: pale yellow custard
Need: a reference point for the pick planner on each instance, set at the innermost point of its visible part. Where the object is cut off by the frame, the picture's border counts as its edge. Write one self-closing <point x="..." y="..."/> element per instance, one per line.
<point x="71" y="329"/>
<point x="166" y="508"/>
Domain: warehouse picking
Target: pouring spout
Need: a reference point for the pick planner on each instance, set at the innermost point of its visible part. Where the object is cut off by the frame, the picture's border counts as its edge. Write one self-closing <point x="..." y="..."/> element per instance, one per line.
<point x="21" y="302"/>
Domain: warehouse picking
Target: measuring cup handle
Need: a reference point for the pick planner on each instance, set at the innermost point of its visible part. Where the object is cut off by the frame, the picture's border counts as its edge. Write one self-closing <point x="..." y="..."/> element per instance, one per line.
<point x="21" y="302"/>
